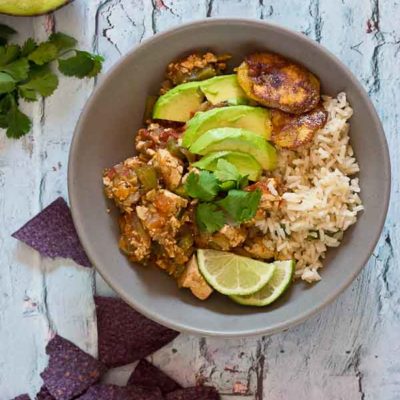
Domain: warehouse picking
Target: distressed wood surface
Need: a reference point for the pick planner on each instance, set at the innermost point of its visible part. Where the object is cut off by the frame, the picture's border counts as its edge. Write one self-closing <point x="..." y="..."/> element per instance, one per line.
<point x="350" y="351"/>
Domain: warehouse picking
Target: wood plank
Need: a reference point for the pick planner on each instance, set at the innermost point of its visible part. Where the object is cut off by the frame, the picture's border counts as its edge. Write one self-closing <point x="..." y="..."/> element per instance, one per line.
<point x="23" y="316"/>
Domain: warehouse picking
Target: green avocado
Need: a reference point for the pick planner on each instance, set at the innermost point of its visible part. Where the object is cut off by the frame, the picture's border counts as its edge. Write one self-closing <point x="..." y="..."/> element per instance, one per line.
<point x="180" y="103"/>
<point x="254" y="119"/>
<point x="30" y="7"/>
<point x="246" y="164"/>
<point x="224" y="88"/>
<point x="236" y="139"/>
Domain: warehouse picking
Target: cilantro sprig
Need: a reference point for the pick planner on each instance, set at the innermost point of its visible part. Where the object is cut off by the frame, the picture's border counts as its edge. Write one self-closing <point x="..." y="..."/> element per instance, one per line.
<point x="241" y="205"/>
<point x="26" y="73"/>
<point x="221" y="197"/>
<point x="209" y="218"/>
<point x="202" y="185"/>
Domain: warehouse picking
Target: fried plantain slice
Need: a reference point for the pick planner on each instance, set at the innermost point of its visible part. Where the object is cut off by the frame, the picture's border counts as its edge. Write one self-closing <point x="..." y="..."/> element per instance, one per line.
<point x="276" y="82"/>
<point x="291" y="131"/>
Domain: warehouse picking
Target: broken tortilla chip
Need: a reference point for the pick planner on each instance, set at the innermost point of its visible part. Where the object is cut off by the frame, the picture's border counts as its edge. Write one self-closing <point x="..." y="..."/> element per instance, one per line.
<point x="126" y="335"/>
<point x="146" y="374"/>
<point x="70" y="370"/>
<point x="44" y="394"/>
<point x="52" y="233"/>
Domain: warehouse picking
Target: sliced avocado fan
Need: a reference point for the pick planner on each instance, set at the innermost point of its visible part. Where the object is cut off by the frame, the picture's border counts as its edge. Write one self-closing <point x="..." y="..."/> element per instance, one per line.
<point x="183" y="101"/>
<point x="254" y="119"/>
<point x="224" y="88"/>
<point x="235" y="139"/>
<point x="246" y="164"/>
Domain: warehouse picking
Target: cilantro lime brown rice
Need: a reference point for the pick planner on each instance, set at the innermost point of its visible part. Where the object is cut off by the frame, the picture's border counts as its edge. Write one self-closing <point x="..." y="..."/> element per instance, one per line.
<point x="234" y="172"/>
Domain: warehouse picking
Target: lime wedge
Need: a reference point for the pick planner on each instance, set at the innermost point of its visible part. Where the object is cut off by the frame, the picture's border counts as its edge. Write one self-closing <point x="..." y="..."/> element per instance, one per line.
<point x="231" y="274"/>
<point x="280" y="281"/>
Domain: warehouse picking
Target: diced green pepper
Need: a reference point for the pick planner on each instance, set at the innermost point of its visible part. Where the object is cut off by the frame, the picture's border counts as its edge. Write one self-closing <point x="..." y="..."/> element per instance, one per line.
<point x="147" y="176"/>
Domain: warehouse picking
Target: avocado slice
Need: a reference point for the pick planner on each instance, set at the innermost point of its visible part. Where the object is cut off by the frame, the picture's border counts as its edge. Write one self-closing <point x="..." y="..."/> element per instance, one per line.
<point x="180" y="103"/>
<point x="254" y="119"/>
<point x="30" y="7"/>
<point x="246" y="164"/>
<point x="236" y="139"/>
<point x="224" y="88"/>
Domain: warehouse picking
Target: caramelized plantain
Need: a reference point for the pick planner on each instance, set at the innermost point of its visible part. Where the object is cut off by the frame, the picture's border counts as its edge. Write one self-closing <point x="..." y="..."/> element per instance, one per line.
<point x="290" y="131"/>
<point x="276" y="82"/>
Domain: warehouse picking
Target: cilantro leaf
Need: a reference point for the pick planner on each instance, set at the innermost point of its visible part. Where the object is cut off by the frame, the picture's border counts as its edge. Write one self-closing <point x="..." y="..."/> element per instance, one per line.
<point x="44" y="53"/>
<point x="44" y="84"/>
<point x="7" y="83"/>
<point x="226" y="171"/>
<point x="17" y="69"/>
<point x="81" y="65"/>
<point x="28" y="47"/>
<point x="229" y="175"/>
<point x="9" y="53"/>
<point x="243" y="181"/>
<point x="5" y="32"/>
<point x="3" y="121"/>
<point x="19" y="124"/>
<point x="209" y="218"/>
<point x="202" y="185"/>
<point x="240" y="205"/>
<point x="62" y="41"/>
<point x="97" y="65"/>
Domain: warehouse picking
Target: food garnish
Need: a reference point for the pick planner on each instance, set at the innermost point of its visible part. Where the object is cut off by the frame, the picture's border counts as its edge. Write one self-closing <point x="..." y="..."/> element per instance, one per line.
<point x="25" y="74"/>
<point x="275" y="287"/>
<point x="231" y="274"/>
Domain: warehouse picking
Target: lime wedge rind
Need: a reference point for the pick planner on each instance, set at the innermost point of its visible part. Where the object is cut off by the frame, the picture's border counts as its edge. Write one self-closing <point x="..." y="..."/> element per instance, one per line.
<point x="231" y="274"/>
<point x="274" y="288"/>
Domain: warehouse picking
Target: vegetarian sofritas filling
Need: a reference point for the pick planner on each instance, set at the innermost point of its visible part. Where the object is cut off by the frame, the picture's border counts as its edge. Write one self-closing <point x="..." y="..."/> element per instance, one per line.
<point x="202" y="176"/>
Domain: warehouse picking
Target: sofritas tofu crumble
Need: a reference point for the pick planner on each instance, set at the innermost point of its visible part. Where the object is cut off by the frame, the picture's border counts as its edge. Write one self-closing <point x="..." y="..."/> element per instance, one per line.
<point x="157" y="221"/>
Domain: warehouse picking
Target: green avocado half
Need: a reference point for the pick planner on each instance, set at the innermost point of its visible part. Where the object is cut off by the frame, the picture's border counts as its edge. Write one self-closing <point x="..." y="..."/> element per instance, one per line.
<point x="30" y="7"/>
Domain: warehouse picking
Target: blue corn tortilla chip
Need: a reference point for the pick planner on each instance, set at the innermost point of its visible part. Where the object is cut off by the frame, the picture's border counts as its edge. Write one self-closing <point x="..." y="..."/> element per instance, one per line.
<point x="146" y="374"/>
<point x="70" y="371"/>
<point x="52" y="233"/>
<point x="194" y="393"/>
<point x="22" y="397"/>
<point x="126" y="335"/>
<point x="44" y="394"/>
<point x="112" y="392"/>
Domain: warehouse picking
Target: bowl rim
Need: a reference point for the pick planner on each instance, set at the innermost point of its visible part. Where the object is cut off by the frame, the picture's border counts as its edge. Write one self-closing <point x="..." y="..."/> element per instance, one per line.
<point x="302" y="316"/>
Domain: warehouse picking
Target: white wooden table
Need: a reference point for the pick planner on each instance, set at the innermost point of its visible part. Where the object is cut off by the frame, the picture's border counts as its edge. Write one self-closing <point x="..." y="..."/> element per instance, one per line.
<point x="350" y="351"/>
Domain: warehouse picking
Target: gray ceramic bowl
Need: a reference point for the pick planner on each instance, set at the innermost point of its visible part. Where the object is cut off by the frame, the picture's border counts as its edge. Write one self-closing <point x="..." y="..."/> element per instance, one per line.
<point x="104" y="136"/>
